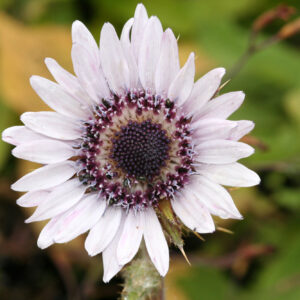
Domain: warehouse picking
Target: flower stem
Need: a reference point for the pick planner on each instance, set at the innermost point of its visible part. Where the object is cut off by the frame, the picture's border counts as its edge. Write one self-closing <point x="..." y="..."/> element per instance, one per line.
<point x="141" y="280"/>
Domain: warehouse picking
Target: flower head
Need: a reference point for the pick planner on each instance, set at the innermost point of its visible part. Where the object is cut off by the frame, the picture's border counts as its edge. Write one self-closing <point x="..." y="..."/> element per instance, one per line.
<point x="129" y="132"/>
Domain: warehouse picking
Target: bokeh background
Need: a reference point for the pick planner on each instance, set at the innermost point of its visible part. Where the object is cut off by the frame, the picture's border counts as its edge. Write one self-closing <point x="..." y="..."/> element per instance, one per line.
<point x="261" y="260"/>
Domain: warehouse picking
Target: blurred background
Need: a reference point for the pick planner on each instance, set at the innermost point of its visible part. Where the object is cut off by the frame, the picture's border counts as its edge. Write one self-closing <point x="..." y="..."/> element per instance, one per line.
<point x="261" y="260"/>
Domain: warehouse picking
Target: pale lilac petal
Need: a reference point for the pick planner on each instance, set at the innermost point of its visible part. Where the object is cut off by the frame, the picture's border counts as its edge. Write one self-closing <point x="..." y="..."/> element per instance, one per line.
<point x="44" y="151"/>
<point x="243" y="128"/>
<point x="212" y="129"/>
<point x="138" y="28"/>
<point x="52" y="124"/>
<point x="192" y="213"/>
<point x="131" y="61"/>
<point x="56" y="98"/>
<point x="233" y="174"/>
<point x="214" y="197"/>
<point x="113" y="60"/>
<point x="34" y="198"/>
<point x="156" y="243"/>
<point x="149" y="53"/>
<point x="168" y="63"/>
<point x="80" y="218"/>
<point x="68" y="81"/>
<point x="110" y="262"/>
<point x="221" y="107"/>
<point x="104" y="231"/>
<point x="131" y="237"/>
<point x="45" y="238"/>
<point x="181" y="86"/>
<point x="18" y="135"/>
<point x="45" y="177"/>
<point x="222" y="151"/>
<point x="203" y="90"/>
<point x="82" y="36"/>
<point x="89" y="73"/>
<point x="59" y="200"/>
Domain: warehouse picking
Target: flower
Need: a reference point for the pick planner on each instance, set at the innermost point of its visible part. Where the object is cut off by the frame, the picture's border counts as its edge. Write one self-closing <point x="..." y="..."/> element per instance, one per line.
<point x="129" y="132"/>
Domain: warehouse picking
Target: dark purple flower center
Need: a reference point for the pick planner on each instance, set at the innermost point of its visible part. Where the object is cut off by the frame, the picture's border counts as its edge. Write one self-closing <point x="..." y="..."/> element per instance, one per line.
<point x="141" y="149"/>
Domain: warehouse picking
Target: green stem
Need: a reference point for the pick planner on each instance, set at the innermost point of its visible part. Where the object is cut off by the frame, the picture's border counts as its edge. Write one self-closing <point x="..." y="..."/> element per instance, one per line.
<point x="141" y="280"/>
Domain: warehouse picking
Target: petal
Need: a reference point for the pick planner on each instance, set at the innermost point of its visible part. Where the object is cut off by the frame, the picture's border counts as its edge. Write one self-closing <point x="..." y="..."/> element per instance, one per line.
<point x="138" y="28"/>
<point x="211" y="129"/>
<point x="89" y="73"/>
<point x="44" y="151"/>
<point x="18" y="135"/>
<point x="168" y="63"/>
<point x="104" y="231"/>
<point x="59" y="200"/>
<point x="192" y="213"/>
<point x="67" y="81"/>
<point x="45" y="238"/>
<point x="156" y="243"/>
<point x="52" y="124"/>
<point x="45" y="177"/>
<point x="243" y="128"/>
<point x="131" y="237"/>
<point x="126" y="45"/>
<point x="56" y="98"/>
<point x="181" y="86"/>
<point x="113" y="60"/>
<point x="82" y="36"/>
<point x="149" y="53"/>
<point x="80" y="218"/>
<point x="204" y="89"/>
<point x="222" y="151"/>
<point x="110" y="263"/>
<point x="215" y="198"/>
<point x="222" y="106"/>
<point x="34" y="198"/>
<point x="233" y="174"/>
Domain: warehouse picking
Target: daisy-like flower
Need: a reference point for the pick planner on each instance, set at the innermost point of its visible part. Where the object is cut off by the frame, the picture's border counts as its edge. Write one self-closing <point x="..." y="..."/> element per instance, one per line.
<point x="130" y="131"/>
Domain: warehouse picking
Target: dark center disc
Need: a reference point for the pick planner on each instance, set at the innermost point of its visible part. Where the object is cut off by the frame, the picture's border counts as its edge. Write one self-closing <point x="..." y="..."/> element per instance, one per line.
<point x="141" y="149"/>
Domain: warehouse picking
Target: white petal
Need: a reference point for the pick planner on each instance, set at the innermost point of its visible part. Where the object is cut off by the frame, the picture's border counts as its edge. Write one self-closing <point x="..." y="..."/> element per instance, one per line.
<point x="222" y="106"/>
<point x="82" y="36"/>
<point x="68" y="81"/>
<point x="192" y="213"/>
<point x="131" y="237"/>
<point x="59" y="200"/>
<point x="233" y="174"/>
<point x="110" y="263"/>
<point x="215" y="198"/>
<point x="204" y="89"/>
<point x="138" y="28"/>
<point x="55" y="97"/>
<point x="210" y="129"/>
<point x="80" y="218"/>
<point x="34" y="198"/>
<point x="222" y="151"/>
<point x="156" y="243"/>
<point x="113" y="60"/>
<point x="168" y="63"/>
<point x="52" y="124"/>
<point x="44" y="151"/>
<point x="45" y="238"/>
<point x="45" y="177"/>
<point x="149" y="53"/>
<point x="182" y="85"/>
<point x="89" y="73"/>
<point x="18" y="135"/>
<point x="131" y="61"/>
<point x="104" y="231"/>
<point x="243" y="128"/>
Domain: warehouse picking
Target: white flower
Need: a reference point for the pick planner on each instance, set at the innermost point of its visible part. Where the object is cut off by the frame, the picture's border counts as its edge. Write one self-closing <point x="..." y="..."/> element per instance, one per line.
<point x="129" y="130"/>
